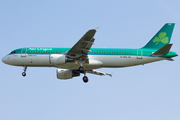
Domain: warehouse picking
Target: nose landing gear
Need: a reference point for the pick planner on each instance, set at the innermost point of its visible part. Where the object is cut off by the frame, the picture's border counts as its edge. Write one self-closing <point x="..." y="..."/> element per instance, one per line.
<point x="24" y="73"/>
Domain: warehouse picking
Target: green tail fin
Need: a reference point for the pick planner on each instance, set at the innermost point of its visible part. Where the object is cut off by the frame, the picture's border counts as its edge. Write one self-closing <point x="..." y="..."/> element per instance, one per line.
<point x="162" y="37"/>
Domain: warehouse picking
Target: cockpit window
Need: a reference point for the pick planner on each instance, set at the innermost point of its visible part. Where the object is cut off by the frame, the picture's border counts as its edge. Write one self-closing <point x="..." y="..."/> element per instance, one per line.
<point x="13" y="52"/>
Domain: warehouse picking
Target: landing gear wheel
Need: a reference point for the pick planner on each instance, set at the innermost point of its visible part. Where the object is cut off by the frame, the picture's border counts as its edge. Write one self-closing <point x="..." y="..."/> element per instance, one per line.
<point x="23" y="74"/>
<point x="85" y="79"/>
<point x="81" y="69"/>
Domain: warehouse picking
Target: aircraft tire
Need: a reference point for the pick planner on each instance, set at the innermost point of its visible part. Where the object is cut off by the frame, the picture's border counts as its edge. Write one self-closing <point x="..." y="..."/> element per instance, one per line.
<point x="23" y="74"/>
<point x="85" y="79"/>
<point x="81" y="69"/>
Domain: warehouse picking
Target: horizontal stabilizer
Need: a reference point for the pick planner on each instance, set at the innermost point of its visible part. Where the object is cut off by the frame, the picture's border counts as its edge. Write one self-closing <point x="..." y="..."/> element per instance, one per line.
<point x="170" y="59"/>
<point x="162" y="51"/>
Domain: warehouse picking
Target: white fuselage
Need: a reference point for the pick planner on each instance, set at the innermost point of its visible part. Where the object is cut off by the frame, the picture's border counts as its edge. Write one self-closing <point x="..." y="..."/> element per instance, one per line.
<point x="95" y="61"/>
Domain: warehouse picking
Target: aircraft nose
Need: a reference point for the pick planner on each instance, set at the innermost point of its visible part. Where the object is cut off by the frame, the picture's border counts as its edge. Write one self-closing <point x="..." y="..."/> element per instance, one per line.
<point x="4" y="59"/>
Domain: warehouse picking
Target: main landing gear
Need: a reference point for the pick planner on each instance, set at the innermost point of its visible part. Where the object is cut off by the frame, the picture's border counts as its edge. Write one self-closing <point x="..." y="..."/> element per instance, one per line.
<point x="81" y="69"/>
<point x="85" y="78"/>
<point x="24" y="73"/>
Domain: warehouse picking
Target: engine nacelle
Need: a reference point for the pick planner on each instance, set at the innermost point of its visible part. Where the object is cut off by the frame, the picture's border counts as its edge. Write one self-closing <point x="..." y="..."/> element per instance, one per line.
<point x="66" y="74"/>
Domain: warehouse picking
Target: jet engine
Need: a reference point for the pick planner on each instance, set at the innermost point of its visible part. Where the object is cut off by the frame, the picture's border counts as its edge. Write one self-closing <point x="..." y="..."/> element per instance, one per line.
<point x="66" y="74"/>
<point x="59" y="59"/>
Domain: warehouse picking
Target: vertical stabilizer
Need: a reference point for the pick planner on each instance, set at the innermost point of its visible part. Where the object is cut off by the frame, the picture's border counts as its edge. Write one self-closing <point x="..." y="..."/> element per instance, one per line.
<point x="162" y="37"/>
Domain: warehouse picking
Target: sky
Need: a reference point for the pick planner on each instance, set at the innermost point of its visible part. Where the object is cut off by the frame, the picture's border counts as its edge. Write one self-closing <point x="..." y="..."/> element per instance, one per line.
<point x="149" y="92"/>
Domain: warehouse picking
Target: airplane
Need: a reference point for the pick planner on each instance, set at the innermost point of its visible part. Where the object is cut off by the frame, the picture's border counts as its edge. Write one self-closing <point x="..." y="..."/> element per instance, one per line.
<point x="82" y="59"/>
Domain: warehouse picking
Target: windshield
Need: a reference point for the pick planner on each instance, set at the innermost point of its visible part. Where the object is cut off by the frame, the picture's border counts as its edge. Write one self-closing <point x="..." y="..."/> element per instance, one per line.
<point x="13" y="52"/>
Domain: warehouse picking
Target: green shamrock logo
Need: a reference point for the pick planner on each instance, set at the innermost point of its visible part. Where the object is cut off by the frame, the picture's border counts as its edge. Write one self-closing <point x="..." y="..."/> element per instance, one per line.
<point x="162" y="38"/>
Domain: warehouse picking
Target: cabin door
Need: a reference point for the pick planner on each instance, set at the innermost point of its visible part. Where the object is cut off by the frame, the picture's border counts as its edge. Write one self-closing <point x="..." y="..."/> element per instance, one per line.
<point x="139" y="53"/>
<point x="23" y="52"/>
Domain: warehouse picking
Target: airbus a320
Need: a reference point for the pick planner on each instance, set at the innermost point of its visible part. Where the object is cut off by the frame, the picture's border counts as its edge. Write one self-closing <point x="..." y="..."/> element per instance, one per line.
<point x="82" y="59"/>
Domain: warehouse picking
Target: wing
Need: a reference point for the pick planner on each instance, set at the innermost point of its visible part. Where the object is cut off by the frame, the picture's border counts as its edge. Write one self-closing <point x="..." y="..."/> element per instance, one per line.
<point x="82" y="47"/>
<point x="97" y="72"/>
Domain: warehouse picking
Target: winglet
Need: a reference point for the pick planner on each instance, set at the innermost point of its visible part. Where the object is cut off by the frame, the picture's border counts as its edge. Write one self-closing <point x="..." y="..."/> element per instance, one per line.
<point x="96" y="29"/>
